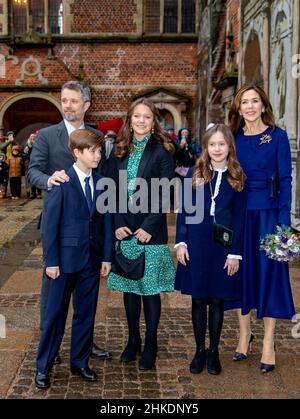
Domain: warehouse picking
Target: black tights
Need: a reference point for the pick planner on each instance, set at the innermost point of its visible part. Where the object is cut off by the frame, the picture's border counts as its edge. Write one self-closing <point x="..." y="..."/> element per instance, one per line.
<point x="152" y="308"/>
<point x="215" y="321"/>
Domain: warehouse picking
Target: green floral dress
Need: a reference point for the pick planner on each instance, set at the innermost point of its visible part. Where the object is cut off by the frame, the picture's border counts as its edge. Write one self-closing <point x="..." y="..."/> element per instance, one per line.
<point x="159" y="266"/>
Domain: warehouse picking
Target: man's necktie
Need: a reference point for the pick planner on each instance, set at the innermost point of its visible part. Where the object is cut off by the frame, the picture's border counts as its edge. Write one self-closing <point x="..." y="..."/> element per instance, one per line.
<point x="88" y="193"/>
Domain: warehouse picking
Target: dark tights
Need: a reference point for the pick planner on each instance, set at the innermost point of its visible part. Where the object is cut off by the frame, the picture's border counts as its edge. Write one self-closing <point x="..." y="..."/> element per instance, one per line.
<point x="152" y="308"/>
<point x="215" y="321"/>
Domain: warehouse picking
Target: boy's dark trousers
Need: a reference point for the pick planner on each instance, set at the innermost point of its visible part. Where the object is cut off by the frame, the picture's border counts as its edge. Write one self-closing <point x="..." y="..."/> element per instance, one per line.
<point x="15" y="186"/>
<point x="84" y="286"/>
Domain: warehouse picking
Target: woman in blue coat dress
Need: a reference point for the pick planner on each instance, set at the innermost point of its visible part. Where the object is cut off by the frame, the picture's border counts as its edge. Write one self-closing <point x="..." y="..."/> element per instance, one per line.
<point x="208" y="270"/>
<point x="264" y="153"/>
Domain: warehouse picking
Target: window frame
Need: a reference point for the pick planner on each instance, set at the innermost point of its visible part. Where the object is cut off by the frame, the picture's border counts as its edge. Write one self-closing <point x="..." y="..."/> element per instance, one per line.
<point x="179" y="20"/>
<point x="29" y="20"/>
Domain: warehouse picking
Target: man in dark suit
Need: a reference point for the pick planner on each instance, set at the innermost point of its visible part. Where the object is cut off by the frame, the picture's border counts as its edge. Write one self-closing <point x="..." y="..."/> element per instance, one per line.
<point x="51" y="158"/>
<point x="77" y="240"/>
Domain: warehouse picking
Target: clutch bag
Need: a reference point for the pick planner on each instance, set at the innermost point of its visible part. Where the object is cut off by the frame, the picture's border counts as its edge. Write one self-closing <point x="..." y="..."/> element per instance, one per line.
<point x="133" y="269"/>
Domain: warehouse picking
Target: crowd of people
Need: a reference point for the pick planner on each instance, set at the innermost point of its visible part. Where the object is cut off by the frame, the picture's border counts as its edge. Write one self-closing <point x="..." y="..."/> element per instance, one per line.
<point x="244" y="173"/>
<point x="14" y="162"/>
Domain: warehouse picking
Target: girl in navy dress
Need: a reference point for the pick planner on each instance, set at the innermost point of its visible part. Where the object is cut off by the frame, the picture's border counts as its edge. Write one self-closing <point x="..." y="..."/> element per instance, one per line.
<point x="264" y="152"/>
<point x="207" y="270"/>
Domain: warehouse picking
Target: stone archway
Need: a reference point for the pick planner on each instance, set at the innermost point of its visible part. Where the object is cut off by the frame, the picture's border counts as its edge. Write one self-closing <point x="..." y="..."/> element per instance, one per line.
<point x="252" y="61"/>
<point x="26" y="113"/>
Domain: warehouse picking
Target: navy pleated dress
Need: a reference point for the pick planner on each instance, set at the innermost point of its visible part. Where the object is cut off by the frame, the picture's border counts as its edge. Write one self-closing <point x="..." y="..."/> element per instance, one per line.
<point x="266" y="161"/>
<point x="204" y="277"/>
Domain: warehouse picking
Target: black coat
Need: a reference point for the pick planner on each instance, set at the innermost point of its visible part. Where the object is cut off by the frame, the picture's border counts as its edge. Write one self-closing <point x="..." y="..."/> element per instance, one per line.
<point x="156" y="163"/>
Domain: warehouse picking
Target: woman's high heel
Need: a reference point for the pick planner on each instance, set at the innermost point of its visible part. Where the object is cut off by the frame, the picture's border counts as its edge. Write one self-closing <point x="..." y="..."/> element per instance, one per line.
<point x="240" y="356"/>
<point x="265" y="368"/>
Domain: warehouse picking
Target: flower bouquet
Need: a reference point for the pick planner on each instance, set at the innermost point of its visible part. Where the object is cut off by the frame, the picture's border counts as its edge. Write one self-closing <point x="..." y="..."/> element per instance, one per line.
<point x="283" y="246"/>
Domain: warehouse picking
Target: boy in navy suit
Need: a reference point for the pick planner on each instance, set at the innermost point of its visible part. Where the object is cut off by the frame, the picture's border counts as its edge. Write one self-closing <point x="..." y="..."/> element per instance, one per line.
<point x="77" y="241"/>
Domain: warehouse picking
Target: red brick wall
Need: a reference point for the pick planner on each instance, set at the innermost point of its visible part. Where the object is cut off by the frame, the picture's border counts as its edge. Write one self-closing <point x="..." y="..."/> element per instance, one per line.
<point x="104" y="16"/>
<point x="233" y="14"/>
<point x="116" y="72"/>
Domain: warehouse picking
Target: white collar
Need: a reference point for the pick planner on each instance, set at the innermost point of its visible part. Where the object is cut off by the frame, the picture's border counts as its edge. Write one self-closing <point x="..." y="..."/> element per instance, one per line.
<point x="70" y="127"/>
<point x="80" y="173"/>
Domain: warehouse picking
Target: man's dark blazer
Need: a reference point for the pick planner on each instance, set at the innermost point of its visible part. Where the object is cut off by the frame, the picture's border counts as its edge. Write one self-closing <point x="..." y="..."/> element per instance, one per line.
<point x="72" y="235"/>
<point x="156" y="163"/>
<point x="50" y="152"/>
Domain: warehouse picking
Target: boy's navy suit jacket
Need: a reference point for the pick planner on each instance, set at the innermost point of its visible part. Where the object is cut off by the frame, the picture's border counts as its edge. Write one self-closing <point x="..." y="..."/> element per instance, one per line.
<point x="72" y="235"/>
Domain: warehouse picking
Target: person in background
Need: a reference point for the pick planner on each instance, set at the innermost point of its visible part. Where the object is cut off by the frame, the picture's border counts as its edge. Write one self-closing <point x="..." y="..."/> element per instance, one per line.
<point x="31" y="191"/>
<point x="15" y="169"/>
<point x="3" y="175"/>
<point x="171" y="132"/>
<point x="6" y="147"/>
<point x="185" y="155"/>
<point x="263" y="150"/>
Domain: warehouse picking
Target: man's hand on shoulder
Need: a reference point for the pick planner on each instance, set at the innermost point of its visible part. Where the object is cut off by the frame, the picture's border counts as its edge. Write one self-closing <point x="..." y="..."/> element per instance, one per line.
<point x="57" y="178"/>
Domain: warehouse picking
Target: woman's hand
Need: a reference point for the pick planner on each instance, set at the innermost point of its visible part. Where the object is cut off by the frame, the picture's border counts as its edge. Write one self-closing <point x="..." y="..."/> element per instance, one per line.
<point x="105" y="268"/>
<point x="123" y="232"/>
<point x="182" y="255"/>
<point x="142" y="235"/>
<point x="232" y="266"/>
<point x="53" y="273"/>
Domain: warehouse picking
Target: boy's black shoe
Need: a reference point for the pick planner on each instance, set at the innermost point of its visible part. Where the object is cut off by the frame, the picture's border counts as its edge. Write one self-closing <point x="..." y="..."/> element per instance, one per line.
<point x="41" y="380"/>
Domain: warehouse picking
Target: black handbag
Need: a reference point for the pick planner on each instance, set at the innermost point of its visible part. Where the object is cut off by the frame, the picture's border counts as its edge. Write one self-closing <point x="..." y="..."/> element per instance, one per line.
<point x="222" y="235"/>
<point x="128" y="268"/>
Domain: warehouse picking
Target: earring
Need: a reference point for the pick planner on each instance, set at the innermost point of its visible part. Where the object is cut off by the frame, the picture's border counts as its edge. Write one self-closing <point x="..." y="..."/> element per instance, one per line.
<point x="152" y="130"/>
<point x="131" y="129"/>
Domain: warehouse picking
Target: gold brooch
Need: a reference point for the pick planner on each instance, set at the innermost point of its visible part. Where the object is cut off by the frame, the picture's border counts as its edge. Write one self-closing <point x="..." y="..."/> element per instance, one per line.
<point x="265" y="139"/>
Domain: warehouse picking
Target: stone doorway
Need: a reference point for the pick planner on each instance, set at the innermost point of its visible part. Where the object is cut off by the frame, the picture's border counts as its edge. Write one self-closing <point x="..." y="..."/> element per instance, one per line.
<point x="27" y="115"/>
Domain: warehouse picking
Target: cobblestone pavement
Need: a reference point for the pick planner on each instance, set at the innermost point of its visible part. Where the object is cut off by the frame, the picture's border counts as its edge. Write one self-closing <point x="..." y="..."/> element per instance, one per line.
<point x="20" y="276"/>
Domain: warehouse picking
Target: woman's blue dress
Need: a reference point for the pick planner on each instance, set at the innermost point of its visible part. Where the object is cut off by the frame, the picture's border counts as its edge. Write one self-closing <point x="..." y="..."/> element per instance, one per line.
<point x="266" y="161"/>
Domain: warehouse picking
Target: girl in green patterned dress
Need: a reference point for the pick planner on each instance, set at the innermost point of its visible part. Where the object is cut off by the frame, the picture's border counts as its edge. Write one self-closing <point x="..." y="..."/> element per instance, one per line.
<point x="144" y="152"/>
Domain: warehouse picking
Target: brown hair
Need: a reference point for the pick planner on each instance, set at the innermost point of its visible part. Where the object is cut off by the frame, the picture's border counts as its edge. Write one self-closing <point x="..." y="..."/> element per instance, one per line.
<point x="124" y="140"/>
<point x="236" y="121"/>
<point x="84" y="138"/>
<point x="235" y="174"/>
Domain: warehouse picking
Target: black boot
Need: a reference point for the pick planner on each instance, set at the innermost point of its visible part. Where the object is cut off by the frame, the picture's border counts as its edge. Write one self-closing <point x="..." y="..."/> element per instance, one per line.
<point x="213" y="362"/>
<point x="148" y="358"/>
<point x="133" y="348"/>
<point x="198" y="362"/>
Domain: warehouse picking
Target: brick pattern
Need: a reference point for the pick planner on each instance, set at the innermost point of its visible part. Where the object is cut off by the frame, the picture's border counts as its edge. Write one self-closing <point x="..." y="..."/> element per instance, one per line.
<point x="171" y="377"/>
<point x="116" y="72"/>
<point x="108" y="16"/>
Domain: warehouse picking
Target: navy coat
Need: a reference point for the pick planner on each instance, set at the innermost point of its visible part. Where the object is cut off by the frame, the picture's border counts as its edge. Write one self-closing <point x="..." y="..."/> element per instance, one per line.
<point x="205" y="276"/>
<point x="71" y="234"/>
